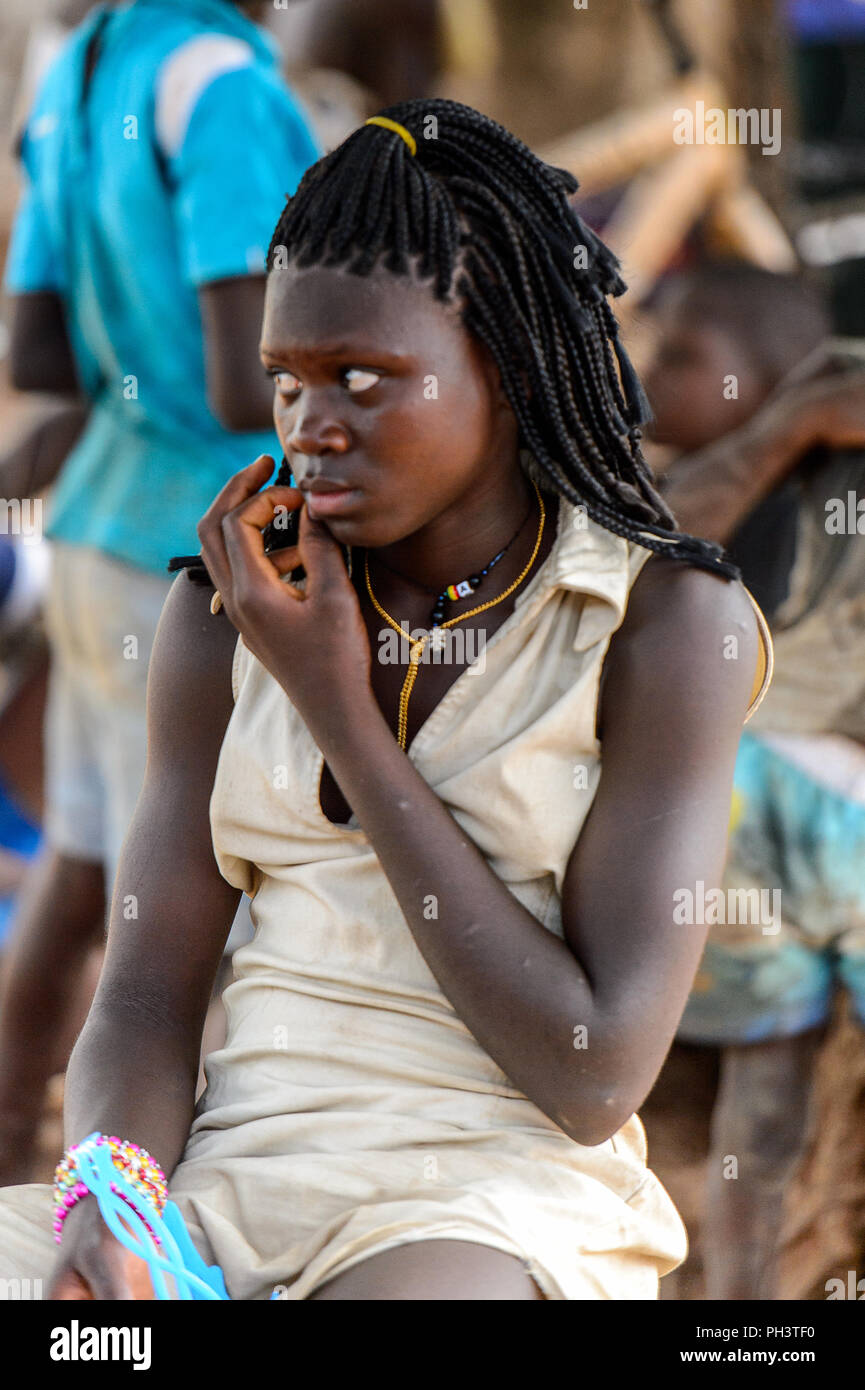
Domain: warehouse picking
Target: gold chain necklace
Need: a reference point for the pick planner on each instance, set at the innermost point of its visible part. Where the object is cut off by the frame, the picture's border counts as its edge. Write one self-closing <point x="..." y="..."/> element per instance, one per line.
<point x="417" y="647"/>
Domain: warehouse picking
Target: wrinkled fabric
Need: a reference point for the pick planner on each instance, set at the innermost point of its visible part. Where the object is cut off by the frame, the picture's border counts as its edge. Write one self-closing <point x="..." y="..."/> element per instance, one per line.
<point x="351" y="1110"/>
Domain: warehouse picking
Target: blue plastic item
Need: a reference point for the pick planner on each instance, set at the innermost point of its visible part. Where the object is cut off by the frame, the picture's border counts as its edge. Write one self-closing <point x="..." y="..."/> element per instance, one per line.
<point x="177" y="1257"/>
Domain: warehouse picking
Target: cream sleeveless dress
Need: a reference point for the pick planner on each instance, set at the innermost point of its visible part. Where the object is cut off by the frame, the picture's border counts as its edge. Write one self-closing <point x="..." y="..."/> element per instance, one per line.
<point x="350" y="1109"/>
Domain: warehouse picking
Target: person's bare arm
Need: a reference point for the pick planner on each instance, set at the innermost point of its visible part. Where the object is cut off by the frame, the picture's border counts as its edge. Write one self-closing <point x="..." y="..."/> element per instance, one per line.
<point x="135" y="1065"/>
<point x="671" y="712"/>
<point x="134" y="1068"/>
<point x="32" y="462"/>
<point x="712" y="492"/>
<point x="673" y="715"/>
<point x="40" y="355"/>
<point x="239" y="391"/>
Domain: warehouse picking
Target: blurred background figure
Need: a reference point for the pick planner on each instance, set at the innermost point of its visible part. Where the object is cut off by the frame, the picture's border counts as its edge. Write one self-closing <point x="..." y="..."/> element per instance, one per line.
<point x="156" y="157"/>
<point x="760" y="463"/>
<point x="347" y="59"/>
<point x="378" y="51"/>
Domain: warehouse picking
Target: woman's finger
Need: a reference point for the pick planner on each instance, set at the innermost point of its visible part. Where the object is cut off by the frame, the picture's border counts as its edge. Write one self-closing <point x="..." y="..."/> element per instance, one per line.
<point x="285" y="560"/>
<point x="239" y="487"/>
<point x="271" y="504"/>
<point x="243" y="528"/>
<point x="320" y="555"/>
<point x="244" y="546"/>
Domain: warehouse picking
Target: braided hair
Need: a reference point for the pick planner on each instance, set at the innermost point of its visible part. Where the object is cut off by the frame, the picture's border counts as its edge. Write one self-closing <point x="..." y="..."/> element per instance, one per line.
<point x="490" y="226"/>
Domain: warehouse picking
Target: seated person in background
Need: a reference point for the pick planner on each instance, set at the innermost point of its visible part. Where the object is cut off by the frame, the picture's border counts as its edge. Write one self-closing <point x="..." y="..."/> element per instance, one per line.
<point x="768" y="418"/>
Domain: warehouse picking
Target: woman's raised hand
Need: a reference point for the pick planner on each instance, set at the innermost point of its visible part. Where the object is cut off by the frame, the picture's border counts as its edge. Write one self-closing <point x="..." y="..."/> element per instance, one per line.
<point x="312" y="640"/>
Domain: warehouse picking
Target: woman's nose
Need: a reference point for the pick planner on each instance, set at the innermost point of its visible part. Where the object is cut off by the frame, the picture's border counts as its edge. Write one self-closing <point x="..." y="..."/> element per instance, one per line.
<point x="314" y="432"/>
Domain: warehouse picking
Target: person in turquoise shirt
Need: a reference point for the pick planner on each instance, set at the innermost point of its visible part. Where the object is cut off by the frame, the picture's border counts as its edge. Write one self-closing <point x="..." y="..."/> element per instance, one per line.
<point x="157" y="157"/>
<point x="169" y="178"/>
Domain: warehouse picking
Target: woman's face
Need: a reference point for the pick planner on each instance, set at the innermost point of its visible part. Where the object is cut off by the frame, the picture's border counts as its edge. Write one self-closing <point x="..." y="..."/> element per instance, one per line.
<point x="379" y="387"/>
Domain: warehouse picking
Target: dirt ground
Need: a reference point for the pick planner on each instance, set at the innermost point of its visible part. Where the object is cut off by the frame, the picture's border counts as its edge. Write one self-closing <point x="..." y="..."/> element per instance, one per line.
<point x="824" y="1227"/>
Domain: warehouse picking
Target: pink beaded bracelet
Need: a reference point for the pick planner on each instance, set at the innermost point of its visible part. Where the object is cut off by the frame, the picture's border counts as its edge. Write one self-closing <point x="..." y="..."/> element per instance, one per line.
<point x="137" y="1166"/>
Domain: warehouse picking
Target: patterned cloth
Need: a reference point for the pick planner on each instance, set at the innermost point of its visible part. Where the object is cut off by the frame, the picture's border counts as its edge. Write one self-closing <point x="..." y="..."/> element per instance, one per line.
<point x="798" y="839"/>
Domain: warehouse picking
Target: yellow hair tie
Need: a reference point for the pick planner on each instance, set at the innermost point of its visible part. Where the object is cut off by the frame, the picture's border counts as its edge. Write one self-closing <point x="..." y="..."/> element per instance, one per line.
<point x="395" y="126"/>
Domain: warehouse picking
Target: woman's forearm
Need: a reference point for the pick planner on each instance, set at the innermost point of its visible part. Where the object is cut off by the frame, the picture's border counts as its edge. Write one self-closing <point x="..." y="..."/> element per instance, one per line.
<point x="134" y="1077"/>
<point x="515" y="985"/>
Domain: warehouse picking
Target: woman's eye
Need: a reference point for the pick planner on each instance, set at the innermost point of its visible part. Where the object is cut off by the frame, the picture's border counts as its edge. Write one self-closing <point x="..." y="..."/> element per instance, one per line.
<point x="286" y="383"/>
<point x="358" y="380"/>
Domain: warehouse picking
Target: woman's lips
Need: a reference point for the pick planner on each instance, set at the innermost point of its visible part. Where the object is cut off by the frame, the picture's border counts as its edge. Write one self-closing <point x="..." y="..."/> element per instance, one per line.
<point x="320" y="504"/>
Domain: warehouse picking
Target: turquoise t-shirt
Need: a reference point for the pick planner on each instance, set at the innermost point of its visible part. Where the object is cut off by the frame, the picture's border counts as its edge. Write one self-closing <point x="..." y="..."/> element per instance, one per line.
<point x="172" y="174"/>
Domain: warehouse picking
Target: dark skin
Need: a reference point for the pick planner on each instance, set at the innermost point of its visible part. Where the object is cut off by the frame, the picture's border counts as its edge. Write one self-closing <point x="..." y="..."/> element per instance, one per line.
<point x="231" y="317"/>
<point x="685" y="381"/>
<point x="392" y="47"/>
<point x="64" y="907"/>
<point x="41" y="358"/>
<point x="40" y="355"/>
<point x="440" y="489"/>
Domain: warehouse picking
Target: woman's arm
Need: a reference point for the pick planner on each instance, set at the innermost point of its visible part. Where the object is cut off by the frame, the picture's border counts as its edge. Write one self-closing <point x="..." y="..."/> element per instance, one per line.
<point x="133" y="1070"/>
<point x="679" y="675"/>
<point x="672" y="714"/>
<point x="672" y="718"/>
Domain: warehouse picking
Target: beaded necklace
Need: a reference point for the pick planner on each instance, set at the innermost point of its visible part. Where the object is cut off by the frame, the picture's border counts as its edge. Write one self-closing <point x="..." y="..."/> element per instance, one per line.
<point x="453" y="592"/>
<point x="417" y="647"/>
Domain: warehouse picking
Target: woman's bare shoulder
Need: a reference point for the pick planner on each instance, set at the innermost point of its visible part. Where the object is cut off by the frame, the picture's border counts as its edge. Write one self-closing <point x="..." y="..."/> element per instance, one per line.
<point x="676" y="596"/>
<point x="699" y="628"/>
<point x="189" y="697"/>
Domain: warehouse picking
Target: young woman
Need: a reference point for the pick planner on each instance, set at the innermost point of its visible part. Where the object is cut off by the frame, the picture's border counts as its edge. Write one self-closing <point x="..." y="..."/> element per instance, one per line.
<point x="467" y="969"/>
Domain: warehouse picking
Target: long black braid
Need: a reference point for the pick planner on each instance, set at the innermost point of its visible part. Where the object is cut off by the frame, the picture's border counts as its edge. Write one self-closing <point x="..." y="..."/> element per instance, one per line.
<point x="491" y="226"/>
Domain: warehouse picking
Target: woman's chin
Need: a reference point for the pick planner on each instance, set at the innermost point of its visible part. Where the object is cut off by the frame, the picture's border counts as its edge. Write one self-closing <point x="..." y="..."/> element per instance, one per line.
<point x="368" y="532"/>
